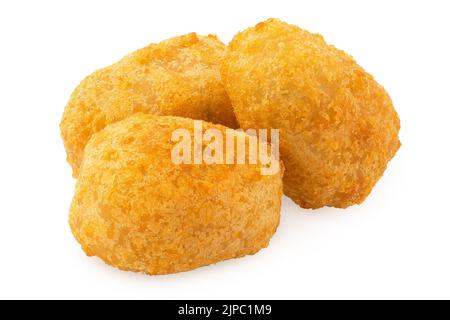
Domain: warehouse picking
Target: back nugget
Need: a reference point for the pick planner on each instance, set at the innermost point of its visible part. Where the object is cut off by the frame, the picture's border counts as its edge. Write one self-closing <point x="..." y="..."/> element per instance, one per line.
<point x="177" y="77"/>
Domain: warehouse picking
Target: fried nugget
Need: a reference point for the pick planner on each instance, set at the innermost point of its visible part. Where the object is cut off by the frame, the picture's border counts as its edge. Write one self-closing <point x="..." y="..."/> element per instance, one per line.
<point x="138" y="211"/>
<point x="178" y="77"/>
<point x="338" y="126"/>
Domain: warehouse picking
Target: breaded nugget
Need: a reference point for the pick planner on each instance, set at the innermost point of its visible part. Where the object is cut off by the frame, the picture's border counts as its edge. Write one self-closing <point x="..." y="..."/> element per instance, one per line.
<point x="178" y="77"/>
<point x="138" y="211"/>
<point x="338" y="126"/>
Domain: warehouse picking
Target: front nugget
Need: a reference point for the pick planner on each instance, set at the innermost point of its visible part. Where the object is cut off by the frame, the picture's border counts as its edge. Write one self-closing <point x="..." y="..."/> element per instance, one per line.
<point x="177" y="77"/>
<point x="338" y="126"/>
<point x="139" y="211"/>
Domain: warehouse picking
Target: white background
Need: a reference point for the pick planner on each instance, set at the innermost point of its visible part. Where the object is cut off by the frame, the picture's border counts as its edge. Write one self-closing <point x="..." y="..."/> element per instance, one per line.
<point x="395" y="245"/>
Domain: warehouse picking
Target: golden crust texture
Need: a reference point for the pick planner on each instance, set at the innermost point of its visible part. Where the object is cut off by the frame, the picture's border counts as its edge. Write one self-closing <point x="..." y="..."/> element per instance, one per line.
<point x="138" y="211"/>
<point x="338" y="126"/>
<point x="178" y="77"/>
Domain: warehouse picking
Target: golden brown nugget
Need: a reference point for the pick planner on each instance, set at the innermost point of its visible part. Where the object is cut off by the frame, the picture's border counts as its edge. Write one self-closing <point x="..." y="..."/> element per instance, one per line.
<point x="338" y="126"/>
<point x="138" y="211"/>
<point x="178" y="77"/>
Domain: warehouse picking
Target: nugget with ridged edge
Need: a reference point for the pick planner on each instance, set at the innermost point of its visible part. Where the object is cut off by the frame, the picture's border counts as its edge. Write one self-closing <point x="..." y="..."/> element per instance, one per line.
<point x="138" y="211"/>
<point x="338" y="126"/>
<point x="178" y="77"/>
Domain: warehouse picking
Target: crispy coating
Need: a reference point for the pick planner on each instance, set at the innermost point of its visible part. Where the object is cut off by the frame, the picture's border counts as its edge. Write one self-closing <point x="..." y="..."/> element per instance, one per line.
<point x="338" y="126"/>
<point x="178" y="77"/>
<point x="138" y="211"/>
